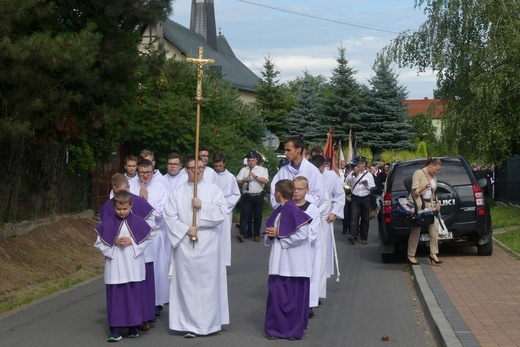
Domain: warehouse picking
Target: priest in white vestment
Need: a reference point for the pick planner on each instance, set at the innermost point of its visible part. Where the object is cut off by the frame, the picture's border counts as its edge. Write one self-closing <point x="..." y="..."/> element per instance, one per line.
<point x="198" y="289"/>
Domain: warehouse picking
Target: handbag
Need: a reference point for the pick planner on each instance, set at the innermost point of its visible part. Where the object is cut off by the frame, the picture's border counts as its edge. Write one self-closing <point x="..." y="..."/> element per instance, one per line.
<point x="442" y="230"/>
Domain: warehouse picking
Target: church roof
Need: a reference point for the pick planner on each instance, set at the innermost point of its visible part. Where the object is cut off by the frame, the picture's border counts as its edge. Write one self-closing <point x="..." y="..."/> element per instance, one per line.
<point x="188" y="42"/>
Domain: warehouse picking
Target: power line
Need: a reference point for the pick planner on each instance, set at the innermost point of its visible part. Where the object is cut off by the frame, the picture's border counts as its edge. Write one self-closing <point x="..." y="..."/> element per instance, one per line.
<point x="320" y="18"/>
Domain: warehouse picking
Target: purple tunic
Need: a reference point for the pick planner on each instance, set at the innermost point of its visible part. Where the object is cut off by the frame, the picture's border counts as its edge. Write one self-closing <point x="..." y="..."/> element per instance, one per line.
<point x="143" y="209"/>
<point x="127" y="303"/>
<point x="287" y="309"/>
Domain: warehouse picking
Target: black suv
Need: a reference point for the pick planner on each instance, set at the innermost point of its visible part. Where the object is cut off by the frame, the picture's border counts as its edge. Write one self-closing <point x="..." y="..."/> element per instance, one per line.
<point x="463" y="207"/>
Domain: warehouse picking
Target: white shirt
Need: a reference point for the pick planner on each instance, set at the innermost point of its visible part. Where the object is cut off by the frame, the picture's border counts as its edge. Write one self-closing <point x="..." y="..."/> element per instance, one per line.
<point x="254" y="186"/>
<point x="360" y="189"/>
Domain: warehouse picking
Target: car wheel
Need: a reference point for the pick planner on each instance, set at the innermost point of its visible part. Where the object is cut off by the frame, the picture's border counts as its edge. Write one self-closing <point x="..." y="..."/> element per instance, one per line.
<point x="486" y="248"/>
<point x="388" y="258"/>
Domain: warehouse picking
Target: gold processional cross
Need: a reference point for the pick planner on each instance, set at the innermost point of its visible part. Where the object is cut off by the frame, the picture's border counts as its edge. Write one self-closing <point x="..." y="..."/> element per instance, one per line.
<point x="200" y="62"/>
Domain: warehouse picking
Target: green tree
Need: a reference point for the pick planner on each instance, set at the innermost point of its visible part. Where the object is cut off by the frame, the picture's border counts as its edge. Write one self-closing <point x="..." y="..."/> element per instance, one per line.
<point x="67" y="72"/>
<point x="66" y="68"/>
<point x="383" y="116"/>
<point x="307" y="119"/>
<point x="166" y="117"/>
<point x="270" y="99"/>
<point x="343" y="99"/>
<point x="474" y="48"/>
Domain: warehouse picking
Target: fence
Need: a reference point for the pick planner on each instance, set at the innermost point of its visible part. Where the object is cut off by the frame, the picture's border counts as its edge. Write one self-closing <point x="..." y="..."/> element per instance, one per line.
<point x="507" y="181"/>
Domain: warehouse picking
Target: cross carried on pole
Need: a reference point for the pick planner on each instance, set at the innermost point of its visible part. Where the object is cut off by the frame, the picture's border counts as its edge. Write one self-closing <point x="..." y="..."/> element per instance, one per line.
<point x="200" y="62"/>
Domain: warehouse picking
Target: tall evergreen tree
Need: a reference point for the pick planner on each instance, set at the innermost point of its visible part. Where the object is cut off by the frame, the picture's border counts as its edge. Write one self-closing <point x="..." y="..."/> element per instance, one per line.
<point x="383" y="118"/>
<point x="344" y="97"/>
<point x="68" y="67"/>
<point x="68" y="71"/>
<point x="270" y="99"/>
<point x="307" y="119"/>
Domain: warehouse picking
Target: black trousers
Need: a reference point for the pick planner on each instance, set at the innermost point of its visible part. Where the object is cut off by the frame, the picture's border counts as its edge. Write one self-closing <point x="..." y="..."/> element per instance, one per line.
<point x="251" y="204"/>
<point x="346" y="215"/>
<point x="360" y="208"/>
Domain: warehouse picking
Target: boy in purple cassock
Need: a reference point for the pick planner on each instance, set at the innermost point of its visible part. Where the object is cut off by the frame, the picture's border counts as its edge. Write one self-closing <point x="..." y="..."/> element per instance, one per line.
<point x="143" y="209"/>
<point x="122" y="238"/>
<point x="290" y="267"/>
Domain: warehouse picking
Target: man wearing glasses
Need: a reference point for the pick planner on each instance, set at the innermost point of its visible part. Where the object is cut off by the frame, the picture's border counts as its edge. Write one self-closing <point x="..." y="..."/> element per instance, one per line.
<point x="152" y="189"/>
<point x="198" y="297"/>
<point x="174" y="176"/>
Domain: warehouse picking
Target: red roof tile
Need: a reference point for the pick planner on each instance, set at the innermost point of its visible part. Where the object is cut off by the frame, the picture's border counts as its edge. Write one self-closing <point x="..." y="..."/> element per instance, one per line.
<point x="431" y="107"/>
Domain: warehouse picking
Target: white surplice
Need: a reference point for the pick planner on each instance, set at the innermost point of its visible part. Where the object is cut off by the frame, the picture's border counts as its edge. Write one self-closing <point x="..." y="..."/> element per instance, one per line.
<point x="229" y="186"/>
<point x="336" y="193"/>
<point x="307" y="170"/>
<point x="157" y="196"/>
<point x="173" y="182"/>
<point x="315" y="241"/>
<point x="290" y="256"/>
<point x="123" y="264"/>
<point x="199" y="285"/>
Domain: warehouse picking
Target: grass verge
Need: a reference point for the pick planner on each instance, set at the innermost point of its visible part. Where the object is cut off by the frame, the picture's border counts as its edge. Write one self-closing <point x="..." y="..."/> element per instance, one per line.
<point x="507" y="217"/>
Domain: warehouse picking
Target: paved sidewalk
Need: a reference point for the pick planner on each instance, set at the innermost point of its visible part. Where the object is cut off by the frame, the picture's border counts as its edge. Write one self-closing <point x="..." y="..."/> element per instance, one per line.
<point x="472" y="300"/>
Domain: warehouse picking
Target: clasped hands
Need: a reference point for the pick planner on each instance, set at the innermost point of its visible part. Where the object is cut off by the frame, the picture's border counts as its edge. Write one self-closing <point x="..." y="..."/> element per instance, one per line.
<point x="123" y="241"/>
<point x="272" y="232"/>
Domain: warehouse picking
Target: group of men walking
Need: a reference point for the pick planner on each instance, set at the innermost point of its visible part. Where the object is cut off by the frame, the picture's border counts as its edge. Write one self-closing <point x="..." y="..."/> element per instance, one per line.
<point x="185" y="244"/>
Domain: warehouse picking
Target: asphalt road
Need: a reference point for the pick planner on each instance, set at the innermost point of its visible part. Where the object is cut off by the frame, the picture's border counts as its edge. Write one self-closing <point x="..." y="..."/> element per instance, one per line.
<point x="370" y="301"/>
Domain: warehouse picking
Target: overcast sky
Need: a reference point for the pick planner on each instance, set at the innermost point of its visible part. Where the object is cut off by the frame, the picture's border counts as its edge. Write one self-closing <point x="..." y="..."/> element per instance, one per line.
<point x="305" y="35"/>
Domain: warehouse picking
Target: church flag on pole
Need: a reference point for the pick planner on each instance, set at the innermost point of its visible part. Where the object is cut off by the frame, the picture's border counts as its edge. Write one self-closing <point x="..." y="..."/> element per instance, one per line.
<point x="350" y="149"/>
<point x="341" y="155"/>
<point x="329" y="152"/>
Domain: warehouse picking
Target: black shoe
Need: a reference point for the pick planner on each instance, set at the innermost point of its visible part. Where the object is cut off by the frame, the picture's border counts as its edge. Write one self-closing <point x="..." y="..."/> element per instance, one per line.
<point x="412" y="262"/>
<point x="437" y="262"/>
<point x="311" y="313"/>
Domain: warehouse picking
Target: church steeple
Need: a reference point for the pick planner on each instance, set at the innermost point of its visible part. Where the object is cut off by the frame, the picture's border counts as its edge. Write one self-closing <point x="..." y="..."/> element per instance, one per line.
<point x="203" y="20"/>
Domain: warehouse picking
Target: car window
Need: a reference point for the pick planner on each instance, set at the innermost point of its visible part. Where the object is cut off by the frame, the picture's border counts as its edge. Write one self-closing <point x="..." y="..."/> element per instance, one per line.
<point x="452" y="172"/>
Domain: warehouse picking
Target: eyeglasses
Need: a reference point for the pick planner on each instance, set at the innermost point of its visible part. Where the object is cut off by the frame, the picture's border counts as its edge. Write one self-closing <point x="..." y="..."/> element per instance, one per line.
<point x="145" y="173"/>
<point x="300" y="189"/>
<point x="192" y="168"/>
